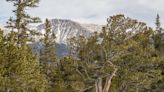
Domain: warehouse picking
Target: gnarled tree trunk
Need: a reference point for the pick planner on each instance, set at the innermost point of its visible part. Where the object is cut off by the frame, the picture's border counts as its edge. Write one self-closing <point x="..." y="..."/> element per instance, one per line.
<point x="108" y="81"/>
<point x="98" y="85"/>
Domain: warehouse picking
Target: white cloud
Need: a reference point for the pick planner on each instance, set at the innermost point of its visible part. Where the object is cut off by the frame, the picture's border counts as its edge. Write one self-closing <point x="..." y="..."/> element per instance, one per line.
<point x="94" y="11"/>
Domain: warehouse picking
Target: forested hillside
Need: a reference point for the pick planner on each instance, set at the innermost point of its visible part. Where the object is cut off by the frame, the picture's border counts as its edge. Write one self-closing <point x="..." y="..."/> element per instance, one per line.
<point x="125" y="56"/>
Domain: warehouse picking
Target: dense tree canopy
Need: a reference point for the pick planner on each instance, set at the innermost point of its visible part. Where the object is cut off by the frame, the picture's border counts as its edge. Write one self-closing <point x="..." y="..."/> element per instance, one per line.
<point x="126" y="56"/>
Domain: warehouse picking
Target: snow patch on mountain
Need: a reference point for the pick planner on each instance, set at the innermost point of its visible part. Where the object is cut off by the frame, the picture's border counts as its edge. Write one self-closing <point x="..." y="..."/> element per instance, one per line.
<point x="65" y="29"/>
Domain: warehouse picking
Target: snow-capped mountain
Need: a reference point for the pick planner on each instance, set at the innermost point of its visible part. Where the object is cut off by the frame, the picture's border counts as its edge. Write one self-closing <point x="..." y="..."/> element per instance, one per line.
<point x="65" y="29"/>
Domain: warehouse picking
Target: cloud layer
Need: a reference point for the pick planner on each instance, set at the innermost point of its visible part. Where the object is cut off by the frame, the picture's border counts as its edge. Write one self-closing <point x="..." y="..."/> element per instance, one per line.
<point x="92" y="11"/>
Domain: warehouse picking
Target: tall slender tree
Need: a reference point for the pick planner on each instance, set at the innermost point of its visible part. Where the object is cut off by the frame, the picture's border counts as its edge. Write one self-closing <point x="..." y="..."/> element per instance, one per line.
<point x="47" y="55"/>
<point x="158" y="23"/>
<point x="158" y="35"/>
<point x="22" y="20"/>
<point x="19" y="68"/>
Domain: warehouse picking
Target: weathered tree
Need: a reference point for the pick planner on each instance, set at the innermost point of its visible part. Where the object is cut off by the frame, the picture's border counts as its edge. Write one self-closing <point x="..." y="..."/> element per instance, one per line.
<point x="109" y="60"/>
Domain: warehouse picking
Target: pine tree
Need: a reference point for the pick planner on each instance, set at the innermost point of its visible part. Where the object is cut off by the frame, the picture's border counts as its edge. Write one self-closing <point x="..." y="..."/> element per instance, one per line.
<point x="117" y="59"/>
<point x="22" y="19"/>
<point x="48" y="44"/>
<point x="20" y="70"/>
<point x="138" y="68"/>
<point x="157" y="36"/>
<point x="158" y="24"/>
<point x="2" y="59"/>
<point x="67" y="77"/>
<point x="48" y="59"/>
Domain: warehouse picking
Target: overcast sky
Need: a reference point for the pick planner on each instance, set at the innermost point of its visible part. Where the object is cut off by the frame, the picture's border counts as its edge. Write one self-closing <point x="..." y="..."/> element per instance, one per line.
<point x="92" y="11"/>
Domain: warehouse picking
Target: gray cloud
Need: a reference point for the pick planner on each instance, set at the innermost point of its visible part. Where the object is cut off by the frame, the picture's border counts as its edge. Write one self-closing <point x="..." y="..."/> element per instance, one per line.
<point x="95" y="11"/>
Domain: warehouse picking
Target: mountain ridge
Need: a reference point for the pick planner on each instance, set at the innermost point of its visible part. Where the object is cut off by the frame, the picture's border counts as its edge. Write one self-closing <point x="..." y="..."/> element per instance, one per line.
<point x="65" y="29"/>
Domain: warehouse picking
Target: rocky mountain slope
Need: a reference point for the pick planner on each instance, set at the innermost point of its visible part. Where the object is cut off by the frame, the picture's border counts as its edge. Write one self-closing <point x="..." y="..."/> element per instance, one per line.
<point x="65" y="29"/>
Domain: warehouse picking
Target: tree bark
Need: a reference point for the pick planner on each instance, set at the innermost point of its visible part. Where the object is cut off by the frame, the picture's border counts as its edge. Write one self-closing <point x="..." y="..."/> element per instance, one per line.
<point x="109" y="80"/>
<point x="98" y="85"/>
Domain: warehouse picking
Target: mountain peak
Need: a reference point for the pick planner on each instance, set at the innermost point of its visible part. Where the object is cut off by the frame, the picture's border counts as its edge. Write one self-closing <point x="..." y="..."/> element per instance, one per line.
<point x="65" y="29"/>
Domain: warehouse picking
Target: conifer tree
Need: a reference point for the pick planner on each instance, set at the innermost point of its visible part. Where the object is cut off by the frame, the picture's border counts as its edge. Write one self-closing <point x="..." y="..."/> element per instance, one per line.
<point x="48" y="59"/>
<point x="19" y="67"/>
<point x="135" y="67"/>
<point x="157" y="36"/>
<point x="112" y="59"/>
<point x="2" y="59"/>
<point x="67" y="77"/>
<point x="158" y="24"/>
<point x="22" y="19"/>
<point x="48" y="44"/>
